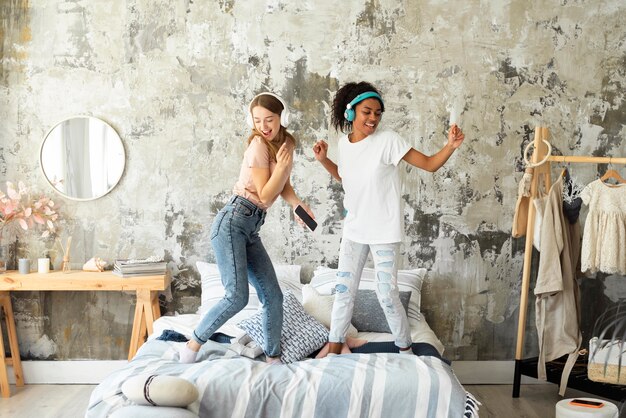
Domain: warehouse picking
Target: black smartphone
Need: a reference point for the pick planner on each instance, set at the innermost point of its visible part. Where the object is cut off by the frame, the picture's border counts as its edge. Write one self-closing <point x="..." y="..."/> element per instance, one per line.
<point x="310" y="222"/>
<point x="584" y="402"/>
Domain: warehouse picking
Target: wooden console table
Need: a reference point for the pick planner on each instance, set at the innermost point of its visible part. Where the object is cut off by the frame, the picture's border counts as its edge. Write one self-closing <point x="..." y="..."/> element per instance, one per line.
<point x="146" y="310"/>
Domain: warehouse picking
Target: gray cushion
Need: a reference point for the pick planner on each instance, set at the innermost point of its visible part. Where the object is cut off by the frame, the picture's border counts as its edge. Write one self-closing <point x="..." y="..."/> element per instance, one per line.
<point x="301" y="334"/>
<point x="368" y="315"/>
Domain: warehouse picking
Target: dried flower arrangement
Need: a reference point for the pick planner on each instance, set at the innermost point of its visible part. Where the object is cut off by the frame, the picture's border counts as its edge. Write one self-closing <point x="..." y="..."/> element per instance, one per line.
<point x="19" y="207"/>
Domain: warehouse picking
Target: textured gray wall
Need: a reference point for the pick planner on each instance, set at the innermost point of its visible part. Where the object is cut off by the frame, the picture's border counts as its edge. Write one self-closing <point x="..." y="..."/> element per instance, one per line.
<point x="173" y="78"/>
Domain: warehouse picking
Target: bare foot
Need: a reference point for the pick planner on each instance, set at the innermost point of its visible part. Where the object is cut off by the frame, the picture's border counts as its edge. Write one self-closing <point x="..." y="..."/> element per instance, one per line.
<point x="406" y="350"/>
<point x="333" y="349"/>
<point x="355" y="342"/>
<point x="323" y="352"/>
<point x="193" y="345"/>
<point x="273" y="360"/>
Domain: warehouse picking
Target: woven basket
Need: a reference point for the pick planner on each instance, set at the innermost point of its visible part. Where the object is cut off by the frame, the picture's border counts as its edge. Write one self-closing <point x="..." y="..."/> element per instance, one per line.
<point x="603" y="363"/>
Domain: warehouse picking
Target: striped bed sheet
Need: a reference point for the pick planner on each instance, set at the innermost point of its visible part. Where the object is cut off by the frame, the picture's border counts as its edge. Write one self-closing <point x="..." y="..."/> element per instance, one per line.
<point x="353" y="385"/>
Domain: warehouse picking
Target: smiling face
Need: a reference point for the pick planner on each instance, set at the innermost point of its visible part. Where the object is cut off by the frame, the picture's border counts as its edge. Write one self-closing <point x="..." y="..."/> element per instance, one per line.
<point x="367" y="117"/>
<point x="266" y="122"/>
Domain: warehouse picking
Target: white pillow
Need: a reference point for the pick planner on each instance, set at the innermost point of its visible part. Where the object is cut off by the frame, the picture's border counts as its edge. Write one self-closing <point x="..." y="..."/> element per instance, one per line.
<point x="160" y="390"/>
<point x="301" y="333"/>
<point x="320" y="307"/>
<point x="324" y="280"/>
<point x="213" y="291"/>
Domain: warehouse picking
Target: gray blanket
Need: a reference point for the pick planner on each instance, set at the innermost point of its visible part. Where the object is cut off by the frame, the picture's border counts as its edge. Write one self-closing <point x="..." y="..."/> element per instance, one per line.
<point x="353" y="385"/>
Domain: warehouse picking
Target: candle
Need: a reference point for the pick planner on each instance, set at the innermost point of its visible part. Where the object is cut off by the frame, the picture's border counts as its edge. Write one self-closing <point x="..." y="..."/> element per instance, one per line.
<point x="43" y="265"/>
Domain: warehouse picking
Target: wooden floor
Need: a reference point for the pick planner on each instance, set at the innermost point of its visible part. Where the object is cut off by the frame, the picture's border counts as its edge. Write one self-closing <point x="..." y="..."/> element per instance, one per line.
<point x="46" y="401"/>
<point x="535" y="401"/>
<point x="70" y="401"/>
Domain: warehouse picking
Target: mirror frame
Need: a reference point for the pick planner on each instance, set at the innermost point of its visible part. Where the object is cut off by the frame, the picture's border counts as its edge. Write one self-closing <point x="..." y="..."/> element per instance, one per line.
<point x="43" y="171"/>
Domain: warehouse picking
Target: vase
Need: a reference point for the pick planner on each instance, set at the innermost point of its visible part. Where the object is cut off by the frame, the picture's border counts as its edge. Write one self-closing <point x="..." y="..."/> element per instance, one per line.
<point x="24" y="265"/>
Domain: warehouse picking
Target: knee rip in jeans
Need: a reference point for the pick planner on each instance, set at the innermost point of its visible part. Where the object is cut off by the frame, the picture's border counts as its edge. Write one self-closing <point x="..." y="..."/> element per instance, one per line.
<point x="341" y="288"/>
<point x="344" y="274"/>
<point x="383" y="276"/>
<point x="385" y="264"/>
<point x="385" y="253"/>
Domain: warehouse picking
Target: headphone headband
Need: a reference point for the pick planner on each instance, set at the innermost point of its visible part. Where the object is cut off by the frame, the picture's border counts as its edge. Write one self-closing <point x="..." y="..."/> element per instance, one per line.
<point x="349" y="112"/>
<point x="284" y="115"/>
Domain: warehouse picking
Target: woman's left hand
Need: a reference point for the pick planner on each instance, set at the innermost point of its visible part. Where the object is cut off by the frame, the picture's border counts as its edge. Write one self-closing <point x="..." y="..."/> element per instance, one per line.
<point x="455" y="136"/>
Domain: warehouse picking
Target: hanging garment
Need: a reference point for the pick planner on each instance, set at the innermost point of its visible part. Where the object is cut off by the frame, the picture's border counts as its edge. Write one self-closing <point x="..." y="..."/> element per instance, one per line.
<point x="604" y="237"/>
<point x="540" y="207"/>
<point x="520" y="216"/>
<point x="558" y="302"/>
<point x="572" y="202"/>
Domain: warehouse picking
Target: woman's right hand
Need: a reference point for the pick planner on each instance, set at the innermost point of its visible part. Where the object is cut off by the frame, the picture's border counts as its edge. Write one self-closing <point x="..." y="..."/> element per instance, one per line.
<point x="320" y="149"/>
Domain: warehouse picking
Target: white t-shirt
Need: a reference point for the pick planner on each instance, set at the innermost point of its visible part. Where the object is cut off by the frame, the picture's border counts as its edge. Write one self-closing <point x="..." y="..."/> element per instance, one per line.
<point x="371" y="182"/>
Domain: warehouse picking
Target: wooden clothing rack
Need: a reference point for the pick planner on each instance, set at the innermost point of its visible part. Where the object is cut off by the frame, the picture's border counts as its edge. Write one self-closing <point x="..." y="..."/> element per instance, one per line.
<point x="540" y="161"/>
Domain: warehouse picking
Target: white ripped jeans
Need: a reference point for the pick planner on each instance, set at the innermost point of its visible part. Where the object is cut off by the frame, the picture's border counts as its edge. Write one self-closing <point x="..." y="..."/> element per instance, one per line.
<point x="352" y="258"/>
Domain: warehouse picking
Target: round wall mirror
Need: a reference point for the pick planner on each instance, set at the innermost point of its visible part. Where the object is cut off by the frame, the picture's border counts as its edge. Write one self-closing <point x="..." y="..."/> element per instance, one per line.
<point x="82" y="158"/>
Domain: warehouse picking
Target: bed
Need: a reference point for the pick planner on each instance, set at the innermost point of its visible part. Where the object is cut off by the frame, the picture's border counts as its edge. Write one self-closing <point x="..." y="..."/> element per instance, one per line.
<point x="351" y="385"/>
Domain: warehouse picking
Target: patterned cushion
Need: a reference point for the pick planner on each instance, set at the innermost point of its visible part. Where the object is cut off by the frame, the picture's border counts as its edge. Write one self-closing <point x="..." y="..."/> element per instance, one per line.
<point x="302" y="334"/>
<point x="368" y="315"/>
<point x="213" y="289"/>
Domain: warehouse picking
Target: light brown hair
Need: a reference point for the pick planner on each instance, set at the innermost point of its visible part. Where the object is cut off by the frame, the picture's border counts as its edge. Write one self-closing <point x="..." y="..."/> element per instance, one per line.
<point x="274" y="105"/>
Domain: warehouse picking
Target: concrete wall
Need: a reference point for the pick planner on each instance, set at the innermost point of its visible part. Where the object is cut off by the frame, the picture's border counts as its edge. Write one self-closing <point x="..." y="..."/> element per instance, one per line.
<point x="174" y="77"/>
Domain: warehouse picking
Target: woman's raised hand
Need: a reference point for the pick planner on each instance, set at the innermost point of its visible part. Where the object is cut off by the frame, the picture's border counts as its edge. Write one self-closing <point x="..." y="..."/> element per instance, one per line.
<point x="320" y="150"/>
<point x="455" y="136"/>
<point x="284" y="156"/>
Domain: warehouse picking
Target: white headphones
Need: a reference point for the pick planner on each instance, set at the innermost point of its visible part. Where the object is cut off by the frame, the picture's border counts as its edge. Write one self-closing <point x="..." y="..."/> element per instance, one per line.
<point x="284" y="115"/>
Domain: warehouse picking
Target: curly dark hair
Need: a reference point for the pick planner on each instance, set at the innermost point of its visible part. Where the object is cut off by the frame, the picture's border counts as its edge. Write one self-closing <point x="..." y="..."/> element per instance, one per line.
<point x="345" y="95"/>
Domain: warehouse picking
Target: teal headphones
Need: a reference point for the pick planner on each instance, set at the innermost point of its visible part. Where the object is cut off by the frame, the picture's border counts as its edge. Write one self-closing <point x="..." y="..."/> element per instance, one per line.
<point x="349" y="112"/>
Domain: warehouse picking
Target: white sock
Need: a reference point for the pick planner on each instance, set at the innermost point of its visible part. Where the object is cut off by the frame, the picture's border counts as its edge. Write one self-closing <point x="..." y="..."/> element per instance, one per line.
<point x="187" y="355"/>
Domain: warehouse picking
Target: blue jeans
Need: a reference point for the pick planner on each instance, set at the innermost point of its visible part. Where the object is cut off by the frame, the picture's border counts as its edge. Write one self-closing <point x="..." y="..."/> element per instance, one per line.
<point x="352" y="258"/>
<point x="241" y="258"/>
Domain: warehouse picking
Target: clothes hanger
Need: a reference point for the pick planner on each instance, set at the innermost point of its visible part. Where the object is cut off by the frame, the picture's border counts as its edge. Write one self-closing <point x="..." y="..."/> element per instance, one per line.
<point x="565" y="167"/>
<point x="612" y="174"/>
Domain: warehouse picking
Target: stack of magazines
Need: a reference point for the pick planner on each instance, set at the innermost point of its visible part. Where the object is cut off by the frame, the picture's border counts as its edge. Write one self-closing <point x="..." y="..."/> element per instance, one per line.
<point x="151" y="266"/>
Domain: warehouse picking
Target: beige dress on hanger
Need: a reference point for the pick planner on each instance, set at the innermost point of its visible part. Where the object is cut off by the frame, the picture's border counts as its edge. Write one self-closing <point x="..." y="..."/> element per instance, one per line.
<point x="604" y="239"/>
<point x="558" y="301"/>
